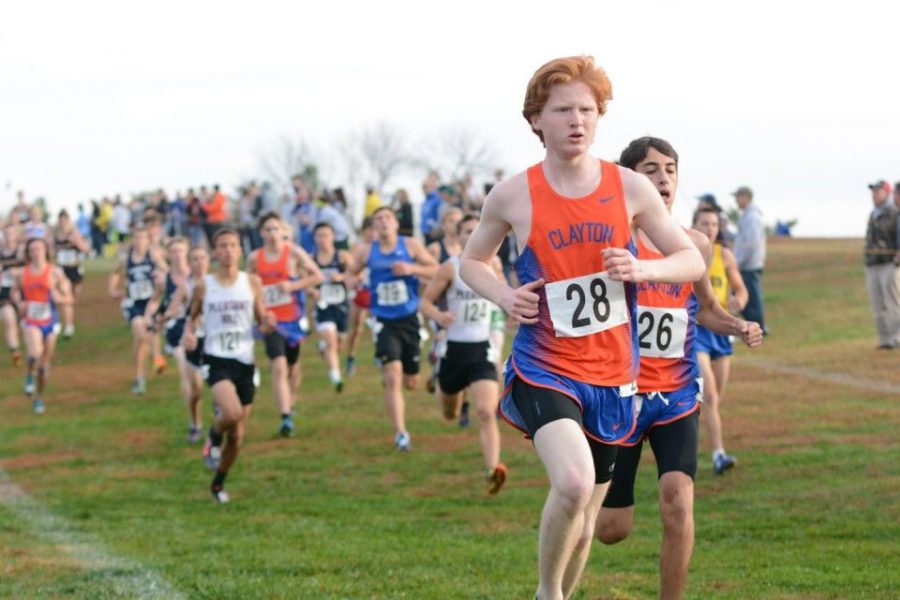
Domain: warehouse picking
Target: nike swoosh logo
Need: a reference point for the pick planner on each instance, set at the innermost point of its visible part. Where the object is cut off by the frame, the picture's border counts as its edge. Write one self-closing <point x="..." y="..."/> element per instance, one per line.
<point x="606" y="199"/>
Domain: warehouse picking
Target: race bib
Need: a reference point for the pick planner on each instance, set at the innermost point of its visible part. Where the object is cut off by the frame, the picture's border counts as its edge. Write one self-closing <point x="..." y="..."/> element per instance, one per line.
<point x="140" y="290"/>
<point x="67" y="257"/>
<point x="273" y="295"/>
<point x="6" y="279"/>
<point x="475" y="311"/>
<point x="392" y="293"/>
<point x="225" y="343"/>
<point x="584" y="305"/>
<point x="332" y="293"/>
<point x="662" y="331"/>
<point x="38" y="311"/>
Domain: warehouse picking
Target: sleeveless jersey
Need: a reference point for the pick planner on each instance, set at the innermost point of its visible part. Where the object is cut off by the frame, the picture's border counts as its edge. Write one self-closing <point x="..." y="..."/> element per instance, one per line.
<point x="228" y="319"/>
<point x="66" y="252"/>
<point x="283" y="304"/>
<point x="39" y="309"/>
<point x="585" y="320"/>
<point x="139" y="278"/>
<point x="394" y="297"/>
<point x="331" y="293"/>
<point x="472" y="313"/>
<point x="667" y="319"/>
<point x="718" y="277"/>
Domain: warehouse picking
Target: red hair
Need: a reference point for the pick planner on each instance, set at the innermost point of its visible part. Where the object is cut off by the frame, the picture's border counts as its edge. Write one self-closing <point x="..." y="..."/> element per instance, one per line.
<point x="562" y="71"/>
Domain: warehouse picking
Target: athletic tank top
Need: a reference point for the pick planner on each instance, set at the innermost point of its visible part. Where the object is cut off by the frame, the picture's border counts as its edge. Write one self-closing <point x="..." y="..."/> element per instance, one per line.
<point x="394" y="297"/>
<point x="667" y="319"/>
<point x="9" y="260"/>
<point x="39" y="307"/>
<point x="66" y="252"/>
<point x="584" y="329"/>
<point x="444" y="254"/>
<point x="228" y="319"/>
<point x="717" y="276"/>
<point x="139" y="278"/>
<point x="331" y="293"/>
<point x="472" y="322"/>
<point x="283" y="304"/>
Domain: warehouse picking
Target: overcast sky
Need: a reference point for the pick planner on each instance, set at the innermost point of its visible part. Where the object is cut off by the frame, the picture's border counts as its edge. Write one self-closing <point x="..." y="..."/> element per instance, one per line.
<point x="800" y="102"/>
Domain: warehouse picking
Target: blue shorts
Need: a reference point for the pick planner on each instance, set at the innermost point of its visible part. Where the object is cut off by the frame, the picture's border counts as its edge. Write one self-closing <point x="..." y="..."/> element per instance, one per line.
<point x="659" y="408"/>
<point x="47" y="330"/>
<point x="174" y="331"/>
<point x="714" y="344"/>
<point x="132" y="309"/>
<point x="335" y="313"/>
<point x="607" y="413"/>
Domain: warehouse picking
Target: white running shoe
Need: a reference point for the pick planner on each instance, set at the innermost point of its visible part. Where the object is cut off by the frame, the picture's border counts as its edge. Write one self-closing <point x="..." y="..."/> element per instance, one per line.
<point x="402" y="441"/>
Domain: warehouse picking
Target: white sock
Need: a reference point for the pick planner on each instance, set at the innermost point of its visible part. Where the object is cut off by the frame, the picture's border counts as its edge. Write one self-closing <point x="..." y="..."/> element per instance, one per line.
<point x="718" y="452"/>
<point x="334" y="375"/>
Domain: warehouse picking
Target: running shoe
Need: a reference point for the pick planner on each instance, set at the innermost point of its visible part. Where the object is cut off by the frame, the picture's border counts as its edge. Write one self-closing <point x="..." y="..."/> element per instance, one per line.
<point x="496" y="478"/>
<point x="464" y="414"/>
<point x="287" y="427"/>
<point x="159" y="363"/>
<point x="321" y="346"/>
<point x="29" y="386"/>
<point x="212" y="455"/>
<point x="219" y="494"/>
<point x="722" y="463"/>
<point x="431" y="383"/>
<point x="16" y="356"/>
<point x="139" y="387"/>
<point x="193" y="434"/>
<point x="402" y="441"/>
<point x="68" y="332"/>
<point x="38" y="406"/>
<point x="351" y="366"/>
<point x="339" y="385"/>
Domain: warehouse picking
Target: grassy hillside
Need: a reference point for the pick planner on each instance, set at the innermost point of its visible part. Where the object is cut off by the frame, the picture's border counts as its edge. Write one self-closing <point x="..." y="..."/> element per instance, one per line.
<point x="117" y="503"/>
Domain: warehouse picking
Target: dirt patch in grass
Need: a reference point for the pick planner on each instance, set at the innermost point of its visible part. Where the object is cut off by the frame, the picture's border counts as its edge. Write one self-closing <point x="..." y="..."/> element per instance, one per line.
<point x="39" y="461"/>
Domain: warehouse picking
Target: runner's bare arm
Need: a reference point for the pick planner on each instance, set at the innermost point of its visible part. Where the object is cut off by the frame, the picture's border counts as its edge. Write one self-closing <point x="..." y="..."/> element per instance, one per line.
<point x="739" y="295"/>
<point x="682" y="261"/>
<point x="61" y="291"/>
<point x="715" y="318"/>
<point x="359" y="256"/>
<point x="312" y="275"/>
<point x="437" y="286"/>
<point x="177" y="302"/>
<point x="251" y="263"/>
<point x="346" y="259"/>
<point x="426" y="265"/>
<point x="189" y="337"/>
<point x="266" y="320"/>
<point x="159" y="290"/>
<point x="115" y="277"/>
<point x="476" y="263"/>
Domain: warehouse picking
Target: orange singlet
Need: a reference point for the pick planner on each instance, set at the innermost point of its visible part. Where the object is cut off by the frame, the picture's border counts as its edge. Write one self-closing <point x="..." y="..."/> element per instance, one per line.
<point x="666" y="324"/>
<point x="585" y="320"/>
<point x="39" y="309"/>
<point x="283" y="304"/>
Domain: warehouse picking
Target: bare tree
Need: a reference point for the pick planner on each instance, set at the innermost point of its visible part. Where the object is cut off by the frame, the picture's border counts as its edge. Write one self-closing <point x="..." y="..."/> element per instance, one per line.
<point x="286" y="158"/>
<point x="382" y="153"/>
<point x="457" y="152"/>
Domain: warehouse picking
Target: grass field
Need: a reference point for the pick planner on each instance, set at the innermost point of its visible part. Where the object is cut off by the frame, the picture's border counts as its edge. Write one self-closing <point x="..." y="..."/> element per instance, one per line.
<point x="101" y="497"/>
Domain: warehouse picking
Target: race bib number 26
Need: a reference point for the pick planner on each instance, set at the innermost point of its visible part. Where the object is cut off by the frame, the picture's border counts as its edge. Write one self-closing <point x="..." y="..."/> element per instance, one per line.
<point x="584" y="305"/>
<point x="662" y="331"/>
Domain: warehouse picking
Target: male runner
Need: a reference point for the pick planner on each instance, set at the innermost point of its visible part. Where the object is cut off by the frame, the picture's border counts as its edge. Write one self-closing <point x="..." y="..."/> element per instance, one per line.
<point x="138" y="263"/>
<point x="11" y="257"/>
<point x="227" y="301"/>
<point x="469" y="363"/>
<point x="285" y="269"/>
<point x="332" y="304"/>
<point x="570" y="380"/>
<point x="69" y="248"/>
<point x="395" y="263"/>
<point x="713" y="348"/>
<point x="42" y="287"/>
<point x="669" y="388"/>
<point x="158" y="243"/>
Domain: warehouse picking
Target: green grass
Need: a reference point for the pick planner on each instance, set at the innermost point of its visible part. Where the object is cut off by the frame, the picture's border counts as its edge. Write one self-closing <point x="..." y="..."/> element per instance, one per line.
<point x="811" y="511"/>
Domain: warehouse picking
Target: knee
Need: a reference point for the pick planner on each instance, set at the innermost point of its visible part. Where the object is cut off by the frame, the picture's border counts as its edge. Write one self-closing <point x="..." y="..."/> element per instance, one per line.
<point x="410" y="382"/>
<point x="486" y="414"/>
<point x="612" y="528"/>
<point x="574" y="491"/>
<point x="676" y="502"/>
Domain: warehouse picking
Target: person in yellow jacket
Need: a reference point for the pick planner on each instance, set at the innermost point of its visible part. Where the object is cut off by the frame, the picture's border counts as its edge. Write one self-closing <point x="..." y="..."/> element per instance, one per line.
<point x="373" y="200"/>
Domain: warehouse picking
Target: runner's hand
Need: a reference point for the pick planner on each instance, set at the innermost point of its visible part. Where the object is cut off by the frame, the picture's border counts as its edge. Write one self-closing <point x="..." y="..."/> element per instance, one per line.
<point x="446" y="318"/>
<point x="522" y="303"/>
<point x="751" y="333"/>
<point x="189" y="340"/>
<point x="622" y="265"/>
<point x="401" y="269"/>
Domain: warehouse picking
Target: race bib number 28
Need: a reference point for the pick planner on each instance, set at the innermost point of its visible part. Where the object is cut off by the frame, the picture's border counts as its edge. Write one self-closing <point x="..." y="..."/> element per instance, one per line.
<point x="584" y="305"/>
